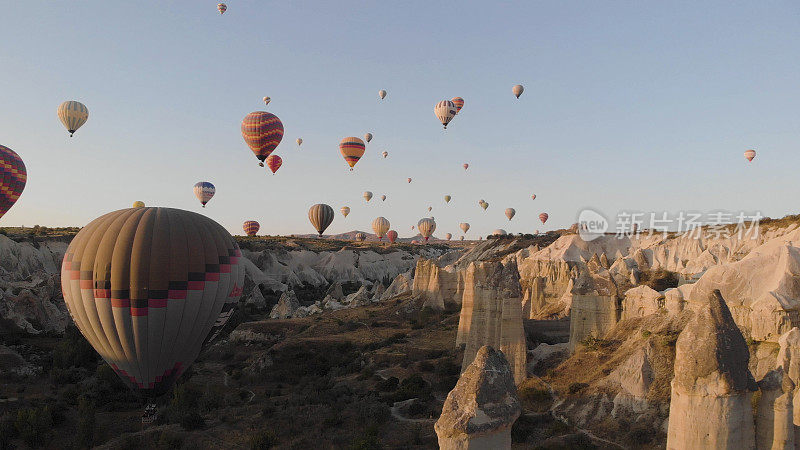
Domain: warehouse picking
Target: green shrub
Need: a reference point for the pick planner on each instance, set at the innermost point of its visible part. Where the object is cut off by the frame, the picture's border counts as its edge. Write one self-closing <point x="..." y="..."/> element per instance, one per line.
<point x="87" y="423"/>
<point x="33" y="425"/>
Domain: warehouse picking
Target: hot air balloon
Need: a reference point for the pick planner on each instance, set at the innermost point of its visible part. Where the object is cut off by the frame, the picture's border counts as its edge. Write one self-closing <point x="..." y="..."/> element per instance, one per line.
<point x="430" y="208"/>
<point x="204" y="190"/>
<point x="459" y="102"/>
<point x="321" y="216"/>
<point x="383" y="198"/>
<point x="447" y="198"/>
<point x="543" y="217"/>
<point x="345" y="210"/>
<point x="380" y="226"/>
<point x="361" y="237"/>
<point x="412" y="227"/>
<point x="462" y="238"/>
<point x="382" y="94"/>
<point x="352" y="149"/>
<point x="448" y="236"/>
<point x="445" y="110"/>
<point x="73" y="115"/>
<point x="262" y="132"/>
<point x="138" y="204"/>
<point x="484" y="205"/>
<point x="385" y="154"/>
<point x="149" y="288"/>
<point x="392" y="236"/>
<point x="464" y="226"/>
<point x="367" y="195"/>
<point x="274" y="163"/>
<point x="426" y="227"/>
<point x="251" y="227"/>
<point x="750" y="154"/>
<point x="533" y="196"/>
<point x="517" y="90"/>
<point x="266" y="100"/>
<point x="465" y="166"/>
<point x="408" y="179"/>
<point x="299" y="142"/>
<point x="368" y="137"/>
<point x="222" y="7"/>
<point x="499" y="232"/>
<point x="510" y="212"/>
<point x="13" y="177"/>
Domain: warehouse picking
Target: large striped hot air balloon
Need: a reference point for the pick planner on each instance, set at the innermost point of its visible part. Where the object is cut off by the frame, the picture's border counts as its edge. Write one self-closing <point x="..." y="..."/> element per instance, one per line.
<point x="13" y="177"/>
<point x="251" y="227"/>
<point x="149" y="288"/>
<point x="262" y="131"/>
<point x="368" y="137"/>
<point x="543" y="217"/>
<point x="510" y="212"/>
<point x="517" y="90"/>
<point x="352" y="149"/>
<point x="367" y="195"/>
<point x="345" y="210"/>
<point x="321" y="216"/>
<point x="392" y="236"/>
<point x="382" y="94"/>
<point x="138" y="204"/>
<point x="274" y="163"/>
<point x="459" y="102"/>
<point x="426" y="227"/>
<point x="222" y="7"/>
<point x="464" y="226"/>
<point x="445" y="110"/>
<point x="204" y="190"/>
<point x="750" y="154"/>
<point x="380" y="226"/>
<point x="73" y="115"/>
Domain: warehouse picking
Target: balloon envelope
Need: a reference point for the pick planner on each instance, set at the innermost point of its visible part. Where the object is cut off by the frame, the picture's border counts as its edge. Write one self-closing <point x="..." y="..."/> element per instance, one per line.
<point x="251" y="227"/>
<point x="459" y="102"/>
<point x="465" y="166"/>
<point x="274" y="163"/>
<point x="383" y="198"/>
<point x="385" y="154"/>
<point x="361" y="237"/>
<point x="408" y="179"/>
<point x="368" y="137"/>
<point x="345" y="210"/>
<point x="299" y="141"/>
<point x="510" y="212"/>
<point x="426" y="227"/>
<point x="464" y="226"/>
<point x="750" y="154"/>
<point x="448" y="236"/>
<point x="380" y="226"/>
<point x="382" y="94"/>
<point x="543" y="217"/>
<point x="138" y="204"/>
<point x="222" y="7"/>
<point x="352" y="149"/>
<point x="447" y="198"/>
<point x="73" y="115"/>
<point x="533" y="196"/>
<point x="392" y="236"/>
<point x="367" y="195"/>
<point x="266" y="100"/>
<point x="517" y="90"/>
<point x="262" y="131"/>
<point x="204" y="190"/>
<point x="13" y="177"/>
<point x="445" y="110"/>
<point x="149" y="288"/>
<point x="320" y="216"/>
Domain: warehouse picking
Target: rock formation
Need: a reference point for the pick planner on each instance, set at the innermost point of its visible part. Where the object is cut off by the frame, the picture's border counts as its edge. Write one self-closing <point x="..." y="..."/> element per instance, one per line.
<point x="710" y="407"/>
<point x="479" y="412"/>
<point x="438" y="286"/>
<point x="286" y="306"/>
<point x="400" y="285"/>
<point x="491" y="314"/>
<point x="641" y="301"/>
<point x="778" y="416"/>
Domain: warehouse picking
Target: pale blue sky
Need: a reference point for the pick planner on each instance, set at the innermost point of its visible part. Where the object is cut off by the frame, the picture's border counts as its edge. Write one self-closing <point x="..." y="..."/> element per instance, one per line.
<point x="627" y="105"/>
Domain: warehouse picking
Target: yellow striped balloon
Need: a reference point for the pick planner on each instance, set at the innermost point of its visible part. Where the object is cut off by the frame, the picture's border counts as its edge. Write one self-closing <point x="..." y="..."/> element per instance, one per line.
<point x="138" y="204"/>
<point x="426" y="227"/>
<point x="73" y="115"/>
<point x="352" y="149"/>
<point x="345" y="210"/>
<point x="380" y="226"/>
<point x="251" y="227"/>
<point x="459" y="102"/>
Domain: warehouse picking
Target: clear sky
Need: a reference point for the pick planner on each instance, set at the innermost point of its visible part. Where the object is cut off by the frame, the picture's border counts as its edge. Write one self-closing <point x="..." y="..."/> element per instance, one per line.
<point x="627" y="105"/>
